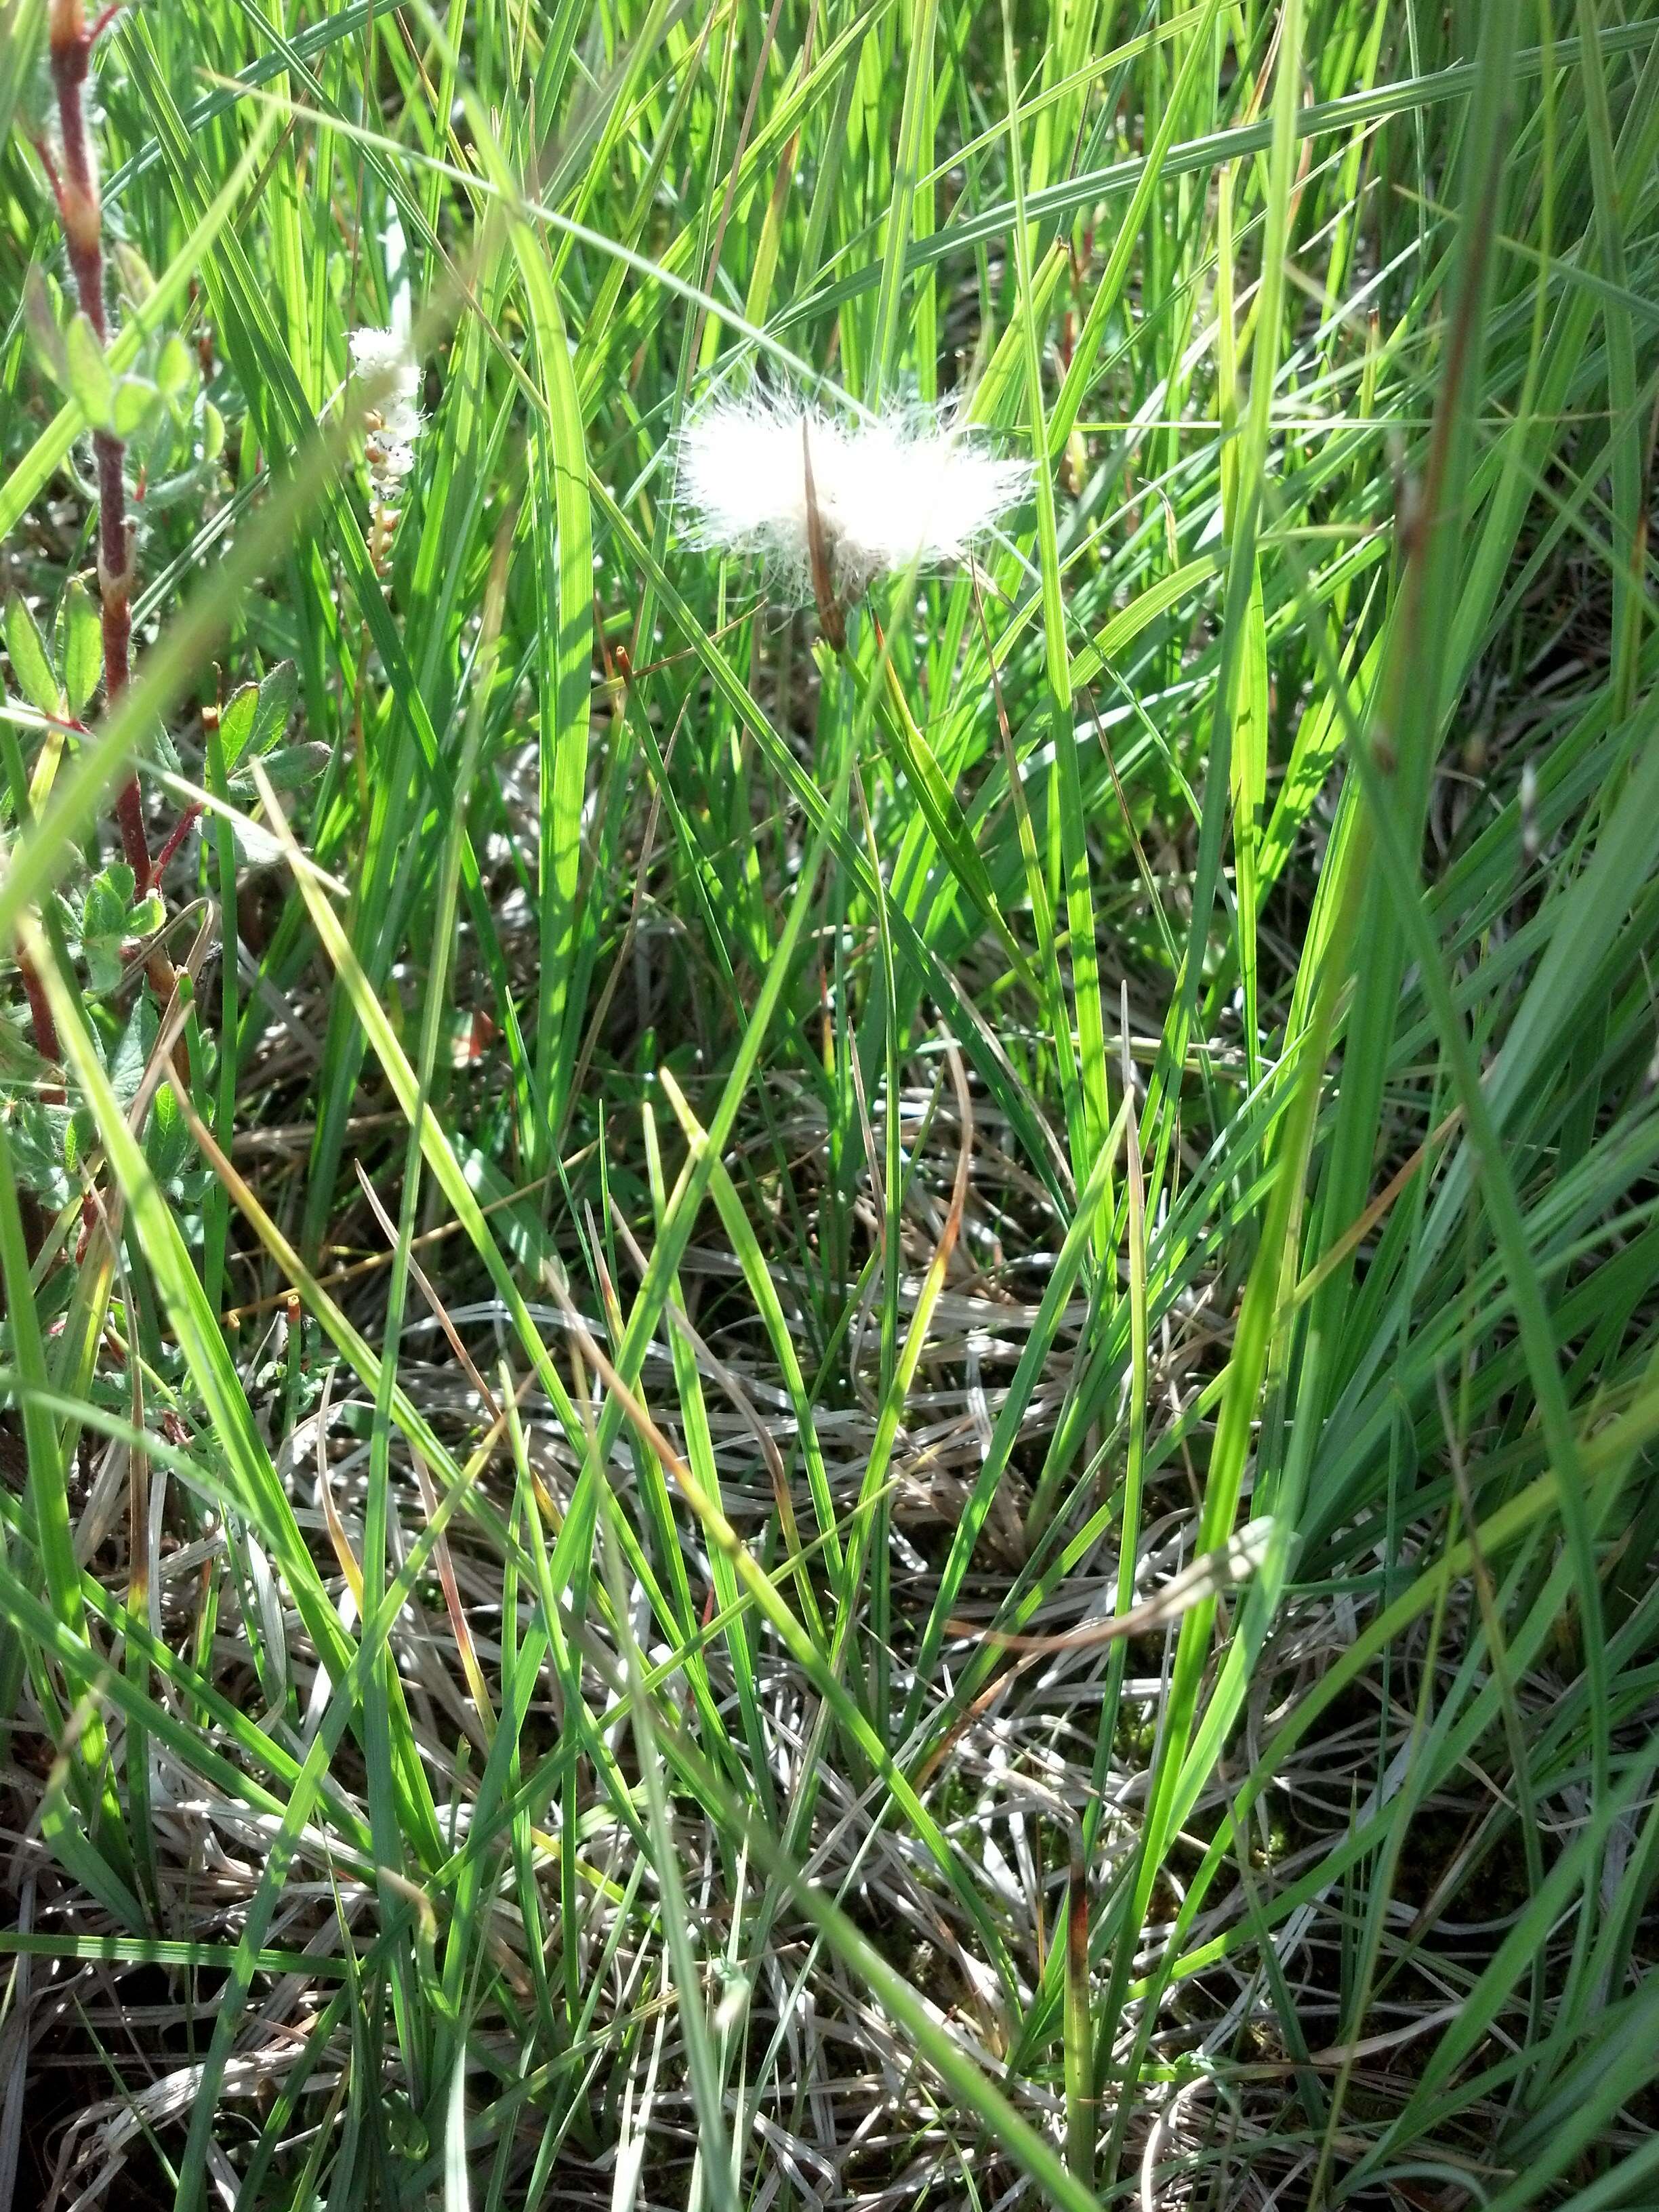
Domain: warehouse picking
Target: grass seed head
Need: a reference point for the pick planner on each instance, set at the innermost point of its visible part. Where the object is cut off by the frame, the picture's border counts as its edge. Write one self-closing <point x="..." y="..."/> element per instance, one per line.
<point x="906" y="488"/>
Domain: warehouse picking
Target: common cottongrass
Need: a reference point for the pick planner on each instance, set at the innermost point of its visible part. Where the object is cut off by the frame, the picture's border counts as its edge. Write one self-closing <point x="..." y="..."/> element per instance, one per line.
<point x="909" y="488"/>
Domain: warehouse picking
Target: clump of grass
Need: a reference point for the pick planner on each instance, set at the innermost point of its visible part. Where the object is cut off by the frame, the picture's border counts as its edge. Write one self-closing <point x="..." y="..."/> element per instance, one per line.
<point x="828" y="1417"/>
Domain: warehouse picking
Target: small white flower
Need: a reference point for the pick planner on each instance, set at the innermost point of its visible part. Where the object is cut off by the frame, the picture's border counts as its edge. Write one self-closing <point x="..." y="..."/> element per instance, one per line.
<point x="384" y="355"/>
<point x="384" y="362"/>
<point x="898" y="491"/>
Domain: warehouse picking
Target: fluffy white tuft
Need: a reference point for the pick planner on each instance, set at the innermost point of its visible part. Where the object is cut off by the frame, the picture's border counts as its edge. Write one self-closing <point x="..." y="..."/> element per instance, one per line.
<point x="900" y="491"/>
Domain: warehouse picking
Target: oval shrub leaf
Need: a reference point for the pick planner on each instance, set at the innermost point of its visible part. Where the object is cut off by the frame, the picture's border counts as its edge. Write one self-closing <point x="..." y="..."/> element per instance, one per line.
<point x="29" y="664"/>
<point x="89" y="373"/>
<point x="83" y="644"/>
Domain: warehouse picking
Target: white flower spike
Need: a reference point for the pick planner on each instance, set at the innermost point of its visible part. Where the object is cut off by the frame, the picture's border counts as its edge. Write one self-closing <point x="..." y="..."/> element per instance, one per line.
<point x="383" y="360"/>
<point x="898" y="491"/>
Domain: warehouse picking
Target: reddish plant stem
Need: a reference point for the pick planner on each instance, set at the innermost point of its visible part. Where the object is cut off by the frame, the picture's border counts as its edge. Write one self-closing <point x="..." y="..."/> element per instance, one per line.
<point x="74" y="184"/>
<point x="181" y="830"/>
<point x="81" y="212"/>
<point x="46" y="1029"/>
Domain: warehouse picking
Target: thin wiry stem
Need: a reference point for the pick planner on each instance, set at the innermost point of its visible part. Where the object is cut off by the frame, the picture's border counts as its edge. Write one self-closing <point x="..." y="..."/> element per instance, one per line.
<point x="181" y="830"/>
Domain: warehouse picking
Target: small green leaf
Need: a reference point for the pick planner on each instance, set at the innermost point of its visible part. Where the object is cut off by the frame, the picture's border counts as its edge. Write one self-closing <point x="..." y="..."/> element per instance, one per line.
<point x="131" y="1050"/>
<point x="167" y="1145"/>
<point x="175" y="372"/>
<point x="213" y="432"/>
<point x="80" y="629"/>
<point x="80" y="1133"/>
<point x="136" y="400"/>
<point x="253" y="720"/>
<point x="40" y="312"/>
<point x="21" y="1064"/>
<point x="279" y="693"/>
<point x="40" y="1139"/>
<point x="144" y="918"/>
<point x="290" y="768"/>
<point x="104" y="963"/>
<point x="236" y="722"/>
<point x="255" y="848"/>
<point x="137" y="280"/>
<point x="108" y="901"/>
<point x="29" y="664"/>
<point x="89" y="373"/>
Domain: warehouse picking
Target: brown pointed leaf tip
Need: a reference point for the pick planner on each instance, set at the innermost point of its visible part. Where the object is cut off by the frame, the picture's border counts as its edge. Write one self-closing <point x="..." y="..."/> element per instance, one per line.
<point x="820" y="552"/>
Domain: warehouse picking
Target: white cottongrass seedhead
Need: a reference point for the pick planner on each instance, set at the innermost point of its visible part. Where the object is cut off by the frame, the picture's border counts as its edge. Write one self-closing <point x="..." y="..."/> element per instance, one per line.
<point x="904" y="489"/>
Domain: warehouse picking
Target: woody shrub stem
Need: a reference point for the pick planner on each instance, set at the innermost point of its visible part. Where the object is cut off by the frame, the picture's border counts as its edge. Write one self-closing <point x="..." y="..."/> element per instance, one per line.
<point x="82" y="212"/>
<point x="40" y="1020"/>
